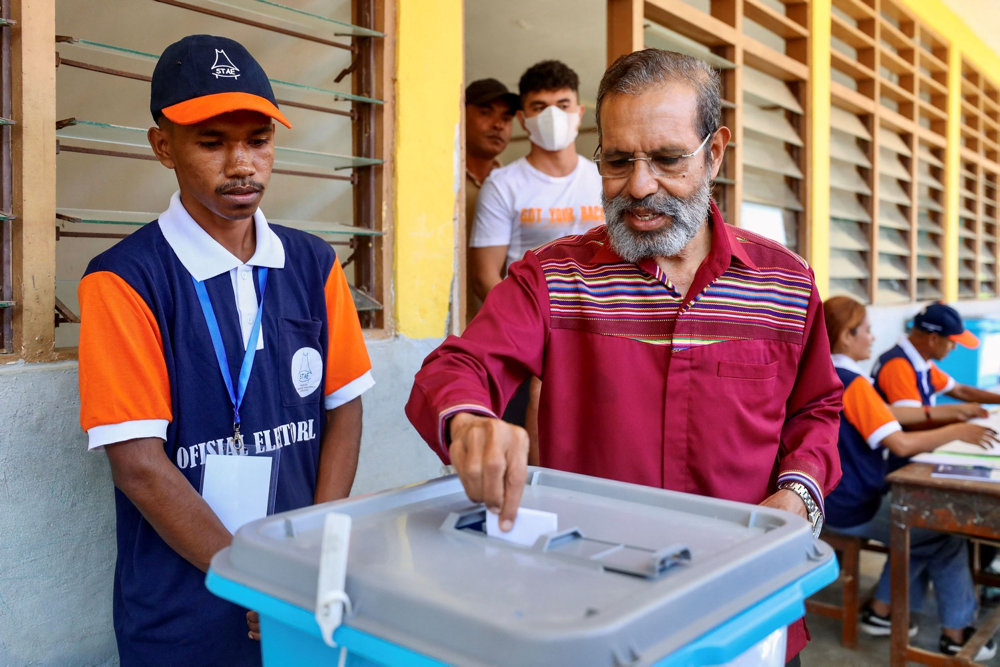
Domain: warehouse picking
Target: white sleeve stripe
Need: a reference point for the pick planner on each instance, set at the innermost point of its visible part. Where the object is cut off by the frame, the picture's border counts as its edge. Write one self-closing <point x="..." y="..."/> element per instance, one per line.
<point x="909" y="403"/>
<point x="876" y="438"/>
<point x="349" y="391"/>
<point x="109" y="434"/>
<point x="948" y="387"/>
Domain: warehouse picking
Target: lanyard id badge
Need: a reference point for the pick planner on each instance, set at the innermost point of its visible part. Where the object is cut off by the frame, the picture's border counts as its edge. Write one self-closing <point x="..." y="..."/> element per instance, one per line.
<point x="238" y="488"/>
<point x="236" y="392"/>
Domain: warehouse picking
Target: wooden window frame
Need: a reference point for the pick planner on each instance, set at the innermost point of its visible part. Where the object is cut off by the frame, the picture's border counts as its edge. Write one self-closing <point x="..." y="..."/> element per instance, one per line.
<point x="27" y="251"/>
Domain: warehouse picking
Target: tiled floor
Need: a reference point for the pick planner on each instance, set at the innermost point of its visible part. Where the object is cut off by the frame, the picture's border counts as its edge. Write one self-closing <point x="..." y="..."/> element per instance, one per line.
<point x="825" y="650"/>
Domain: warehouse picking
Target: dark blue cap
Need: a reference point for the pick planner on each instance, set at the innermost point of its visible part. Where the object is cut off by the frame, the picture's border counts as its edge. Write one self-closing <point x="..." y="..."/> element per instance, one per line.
<point x="945" y="321"/>
<point x="202" y="76"/>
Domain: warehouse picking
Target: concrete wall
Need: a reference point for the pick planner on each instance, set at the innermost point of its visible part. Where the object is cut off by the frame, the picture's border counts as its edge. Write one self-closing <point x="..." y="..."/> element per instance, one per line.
<point x="57" y="540"/>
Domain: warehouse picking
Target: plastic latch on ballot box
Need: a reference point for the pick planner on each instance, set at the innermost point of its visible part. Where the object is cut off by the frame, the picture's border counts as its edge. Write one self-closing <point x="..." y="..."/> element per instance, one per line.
<point x="331" y="599"/>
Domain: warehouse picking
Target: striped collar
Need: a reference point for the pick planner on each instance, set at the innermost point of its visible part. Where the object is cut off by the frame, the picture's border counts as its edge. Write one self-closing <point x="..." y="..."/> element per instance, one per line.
<point x="726" y="246"/>
<point x="203" y="256"/>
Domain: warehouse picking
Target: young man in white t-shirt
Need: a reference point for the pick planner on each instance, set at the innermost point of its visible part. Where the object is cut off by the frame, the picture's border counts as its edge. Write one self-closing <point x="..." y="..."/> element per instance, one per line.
<point x="551" y="192"/>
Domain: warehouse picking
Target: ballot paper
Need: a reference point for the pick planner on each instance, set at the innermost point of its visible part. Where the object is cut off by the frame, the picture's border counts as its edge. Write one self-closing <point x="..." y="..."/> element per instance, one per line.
<point x="528" y="526"/>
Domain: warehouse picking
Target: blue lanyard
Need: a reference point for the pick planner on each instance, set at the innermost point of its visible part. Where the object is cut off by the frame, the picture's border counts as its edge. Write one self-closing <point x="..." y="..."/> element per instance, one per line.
<point x="235" y="394"/>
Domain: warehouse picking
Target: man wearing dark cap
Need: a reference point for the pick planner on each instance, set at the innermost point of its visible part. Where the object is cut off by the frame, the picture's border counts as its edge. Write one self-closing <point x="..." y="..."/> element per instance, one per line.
<point x="214" y="347"/>
<point x="489" y="116"/>
<point x="907" y="376"/>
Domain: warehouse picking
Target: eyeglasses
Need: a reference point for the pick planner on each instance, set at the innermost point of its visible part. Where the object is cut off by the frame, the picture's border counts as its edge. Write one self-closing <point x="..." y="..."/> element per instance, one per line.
<point x="662" y="165"/>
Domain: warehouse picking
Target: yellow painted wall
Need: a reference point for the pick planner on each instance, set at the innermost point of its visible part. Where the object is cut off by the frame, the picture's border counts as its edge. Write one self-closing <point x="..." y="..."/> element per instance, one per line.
<point x="939" y="17"/>
<point x="430" y="64"/>
<point x="818" y="137"/>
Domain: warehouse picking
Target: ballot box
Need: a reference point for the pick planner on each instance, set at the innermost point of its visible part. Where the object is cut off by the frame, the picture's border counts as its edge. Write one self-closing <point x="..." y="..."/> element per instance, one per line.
<point x="631" y="576"/>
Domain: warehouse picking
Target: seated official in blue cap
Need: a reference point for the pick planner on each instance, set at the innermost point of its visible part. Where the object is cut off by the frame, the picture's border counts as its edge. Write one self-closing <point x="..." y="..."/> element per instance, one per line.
<point x="213" y="344"/>
<point x="907" y="376"/>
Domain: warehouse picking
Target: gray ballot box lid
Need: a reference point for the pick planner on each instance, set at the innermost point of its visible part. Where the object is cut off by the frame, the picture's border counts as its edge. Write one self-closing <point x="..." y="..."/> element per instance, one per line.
<point x="631" y="571"/>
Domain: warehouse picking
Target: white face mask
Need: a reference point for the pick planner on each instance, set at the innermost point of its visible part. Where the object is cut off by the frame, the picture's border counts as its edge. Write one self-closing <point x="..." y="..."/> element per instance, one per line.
<point x="553" y="129"/>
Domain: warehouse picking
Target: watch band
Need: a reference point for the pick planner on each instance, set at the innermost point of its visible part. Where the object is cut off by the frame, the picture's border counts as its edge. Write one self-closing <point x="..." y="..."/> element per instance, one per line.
<point x="812" y="509"/>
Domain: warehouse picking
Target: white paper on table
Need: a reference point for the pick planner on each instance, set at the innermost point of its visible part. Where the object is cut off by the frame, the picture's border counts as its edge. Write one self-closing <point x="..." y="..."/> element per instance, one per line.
<point x="959" y="447"/>
<point x="237" y="488"/>
<point x="528" y="526"/>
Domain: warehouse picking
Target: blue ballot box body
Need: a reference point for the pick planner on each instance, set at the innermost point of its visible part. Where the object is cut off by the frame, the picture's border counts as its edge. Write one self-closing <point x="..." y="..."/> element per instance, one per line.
<point x="633" y="575"/>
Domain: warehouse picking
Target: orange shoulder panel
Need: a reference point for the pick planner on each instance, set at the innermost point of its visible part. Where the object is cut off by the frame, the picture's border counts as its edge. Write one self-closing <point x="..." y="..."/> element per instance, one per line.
<point x="123" y="375"/>
<point x="347" y="356"/>
<point x="864" y="408"/>
<point x="898" y="380"/>
<point x="939" y="379"/>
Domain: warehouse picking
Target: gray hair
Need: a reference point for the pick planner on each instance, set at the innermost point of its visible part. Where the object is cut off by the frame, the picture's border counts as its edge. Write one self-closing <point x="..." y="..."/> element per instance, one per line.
<point x="637" y="72"/>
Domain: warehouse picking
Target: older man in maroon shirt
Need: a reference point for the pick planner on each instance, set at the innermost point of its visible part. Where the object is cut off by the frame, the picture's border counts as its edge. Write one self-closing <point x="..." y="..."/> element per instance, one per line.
<point x="675" y="351"/>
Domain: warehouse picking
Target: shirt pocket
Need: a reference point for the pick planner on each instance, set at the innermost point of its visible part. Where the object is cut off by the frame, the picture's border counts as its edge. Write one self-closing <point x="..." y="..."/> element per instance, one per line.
<point x="302" y="369"/>
<point x="748" y="399"/>
<point x="738" y="370"/>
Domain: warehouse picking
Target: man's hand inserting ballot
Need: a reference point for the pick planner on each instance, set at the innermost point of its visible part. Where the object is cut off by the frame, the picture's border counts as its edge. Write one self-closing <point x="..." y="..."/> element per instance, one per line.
<point x="490" y="457"/>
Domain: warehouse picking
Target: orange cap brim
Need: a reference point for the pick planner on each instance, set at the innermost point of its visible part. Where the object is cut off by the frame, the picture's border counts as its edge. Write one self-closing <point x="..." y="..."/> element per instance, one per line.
<point x="202" y="108"/>
<point x="966" y="339"/>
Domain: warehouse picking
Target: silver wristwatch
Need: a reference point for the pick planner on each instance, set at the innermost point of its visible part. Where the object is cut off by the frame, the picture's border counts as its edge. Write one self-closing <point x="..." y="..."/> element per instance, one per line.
<point x="812" y="509"/>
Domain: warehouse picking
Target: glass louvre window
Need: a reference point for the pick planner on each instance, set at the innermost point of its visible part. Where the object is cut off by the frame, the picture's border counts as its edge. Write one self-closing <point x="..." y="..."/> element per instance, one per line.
<point x="659" y="37"/>
<point x="968" y="227"/>
<point x="850" y="215"/>
<point x="655" y="35"/>
<point x="851" y="44"/>
<point x="988" y="285"/>
<point x="326" y="173"/>
<point x="930" y="189"/>
<point x="893" y="217"/>
<point x="771" y="152"/>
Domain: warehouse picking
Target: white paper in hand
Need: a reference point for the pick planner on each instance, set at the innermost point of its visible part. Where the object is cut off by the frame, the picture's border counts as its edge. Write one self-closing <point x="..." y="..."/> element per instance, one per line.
<point x="528" y="526"/>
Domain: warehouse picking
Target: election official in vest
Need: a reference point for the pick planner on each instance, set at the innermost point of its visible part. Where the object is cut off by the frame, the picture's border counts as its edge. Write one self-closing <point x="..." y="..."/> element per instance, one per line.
<point x="674" y="350"/>
<point x="221" y="362"/>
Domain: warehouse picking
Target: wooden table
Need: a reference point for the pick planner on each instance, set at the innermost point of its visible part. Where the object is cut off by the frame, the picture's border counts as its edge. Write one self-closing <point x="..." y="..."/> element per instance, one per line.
<point x="947" y="505"/>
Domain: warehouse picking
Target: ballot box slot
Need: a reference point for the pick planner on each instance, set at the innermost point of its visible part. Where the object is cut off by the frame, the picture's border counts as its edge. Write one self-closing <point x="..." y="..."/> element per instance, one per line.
<point x="573" y="545"/>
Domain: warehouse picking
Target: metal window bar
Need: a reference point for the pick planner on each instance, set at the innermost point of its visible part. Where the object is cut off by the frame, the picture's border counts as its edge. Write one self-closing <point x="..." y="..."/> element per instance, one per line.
<point x="6" y="186"/>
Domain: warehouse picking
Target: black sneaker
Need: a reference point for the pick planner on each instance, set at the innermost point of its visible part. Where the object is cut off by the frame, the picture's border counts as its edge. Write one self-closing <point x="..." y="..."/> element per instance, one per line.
<point x="951" y="647"/>
<point x="874" y="625"/>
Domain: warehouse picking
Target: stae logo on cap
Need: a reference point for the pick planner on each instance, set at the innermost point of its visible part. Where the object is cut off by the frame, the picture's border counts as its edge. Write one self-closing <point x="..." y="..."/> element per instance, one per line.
<point x="224" y="67"/>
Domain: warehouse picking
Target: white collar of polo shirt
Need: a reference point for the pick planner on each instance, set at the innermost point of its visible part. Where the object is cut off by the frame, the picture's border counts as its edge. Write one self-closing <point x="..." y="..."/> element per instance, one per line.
<point x="848" y="364"/>
<point x="919" y="363"/>
<point x="203" y="256"/>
